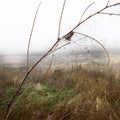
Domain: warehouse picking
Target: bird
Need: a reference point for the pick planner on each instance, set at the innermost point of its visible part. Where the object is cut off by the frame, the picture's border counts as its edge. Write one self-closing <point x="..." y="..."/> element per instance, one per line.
<point x="69" y="36"/>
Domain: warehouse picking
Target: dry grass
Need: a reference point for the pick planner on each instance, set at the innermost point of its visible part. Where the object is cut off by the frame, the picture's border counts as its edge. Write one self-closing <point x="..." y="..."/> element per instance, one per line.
<point x="76" y="94"/>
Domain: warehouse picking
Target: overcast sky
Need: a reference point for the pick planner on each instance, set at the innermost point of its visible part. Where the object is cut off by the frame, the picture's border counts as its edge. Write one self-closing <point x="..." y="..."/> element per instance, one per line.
<point x="16" y="18"/>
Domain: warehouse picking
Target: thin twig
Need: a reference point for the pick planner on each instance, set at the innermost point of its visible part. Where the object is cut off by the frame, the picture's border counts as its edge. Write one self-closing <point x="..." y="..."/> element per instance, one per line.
<point x="51" y="62"/>
<point x="33" y="24"/>
<point x="59" y="48"/>
<point x="115" y="14"/>
<point x="61" y="15"/>
<point x="107" y="3"/>
<point x="85" y="11"/>
<point x="100" y="45"/>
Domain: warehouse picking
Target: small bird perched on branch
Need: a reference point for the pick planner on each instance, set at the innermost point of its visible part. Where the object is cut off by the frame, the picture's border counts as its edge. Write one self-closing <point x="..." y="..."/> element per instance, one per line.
<point x="69" y="36"/>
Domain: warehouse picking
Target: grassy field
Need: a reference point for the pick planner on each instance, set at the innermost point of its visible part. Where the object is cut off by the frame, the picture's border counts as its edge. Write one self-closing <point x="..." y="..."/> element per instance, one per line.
<point x="74" y="94"/>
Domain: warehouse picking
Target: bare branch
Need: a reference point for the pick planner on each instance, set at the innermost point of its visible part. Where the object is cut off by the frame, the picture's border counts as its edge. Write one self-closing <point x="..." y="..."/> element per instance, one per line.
<point x="111" y="14"/>
<point x="50" y="64"/>
<point x="100" y="45"/>
<point x="50" y="61"/>
<point x="85" y="11"/>
<point x="59" y="48"/>
<point x="94" y="14"/>
<point x="33" y="24"/>
<point x="113" y="5"/>
<point x="11" y="104"/>
<point x="24" y="79"/>
<point x="61" y="15"/>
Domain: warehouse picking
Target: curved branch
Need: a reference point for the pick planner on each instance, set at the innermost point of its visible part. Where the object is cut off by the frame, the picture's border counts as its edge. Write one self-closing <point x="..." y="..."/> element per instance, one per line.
<point x="61" y="15"/>
<point x="108" y="62"/>
<point x="107" y="3"/>
<point x="33" y="24"/>
<point x="85" y="11"/>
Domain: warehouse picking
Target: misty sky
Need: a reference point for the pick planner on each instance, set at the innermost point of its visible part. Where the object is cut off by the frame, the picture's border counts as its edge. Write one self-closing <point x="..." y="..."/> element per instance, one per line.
<point x="16" y="21"/>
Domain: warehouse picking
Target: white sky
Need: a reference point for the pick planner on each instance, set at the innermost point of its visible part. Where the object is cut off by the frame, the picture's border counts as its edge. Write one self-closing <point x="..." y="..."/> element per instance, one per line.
<point x="16" y="18"/>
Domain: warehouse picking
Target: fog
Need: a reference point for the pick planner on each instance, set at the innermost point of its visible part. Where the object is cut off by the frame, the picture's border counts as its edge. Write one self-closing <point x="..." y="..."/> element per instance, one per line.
<point x="16" y="19"/>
